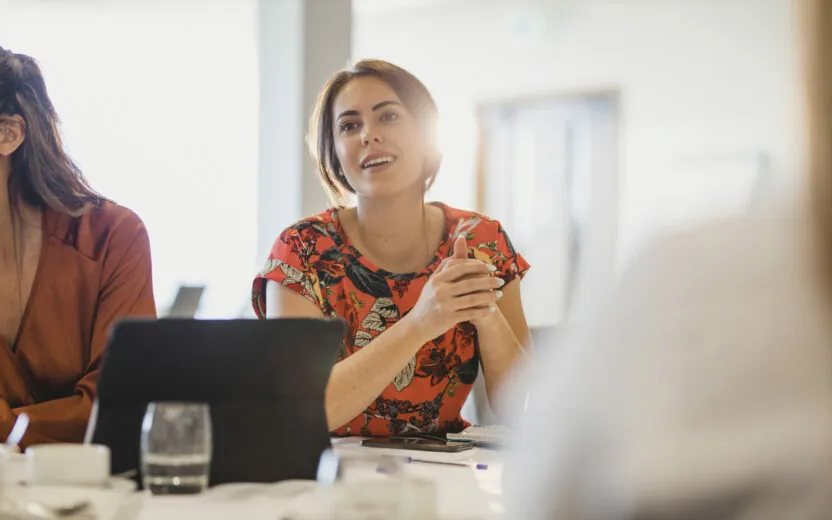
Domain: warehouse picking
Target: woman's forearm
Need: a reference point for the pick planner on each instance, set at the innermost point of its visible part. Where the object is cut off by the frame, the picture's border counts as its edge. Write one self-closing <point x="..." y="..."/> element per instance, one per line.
<point x="359" y="379"/>
<point x="500" y="353"/>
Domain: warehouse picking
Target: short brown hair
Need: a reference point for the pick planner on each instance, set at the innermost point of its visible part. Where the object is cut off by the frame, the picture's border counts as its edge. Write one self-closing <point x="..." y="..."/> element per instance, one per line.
<point x="321" y="140"/>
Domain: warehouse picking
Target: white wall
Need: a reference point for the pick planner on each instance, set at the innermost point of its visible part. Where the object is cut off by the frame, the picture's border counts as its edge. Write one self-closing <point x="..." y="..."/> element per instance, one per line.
<point x="301" y="44"/>
<point x="160" y="107"/>
<point x="707" y="81"/>
<point x="702" y="81"/>
<point x="193" y="114"/>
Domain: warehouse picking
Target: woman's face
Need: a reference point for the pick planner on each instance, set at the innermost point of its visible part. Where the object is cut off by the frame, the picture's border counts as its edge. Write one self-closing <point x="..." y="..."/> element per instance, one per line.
<point x="378" y="141"/>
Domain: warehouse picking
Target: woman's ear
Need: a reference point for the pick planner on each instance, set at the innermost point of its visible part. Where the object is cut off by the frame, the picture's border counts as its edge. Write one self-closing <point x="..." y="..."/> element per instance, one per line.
<point x="432" y="163"/>
<point x="12" y="134"/>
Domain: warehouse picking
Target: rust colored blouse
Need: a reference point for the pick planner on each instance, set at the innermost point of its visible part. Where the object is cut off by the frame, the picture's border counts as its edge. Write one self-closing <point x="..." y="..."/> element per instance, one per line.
<point x="93" y="270"/>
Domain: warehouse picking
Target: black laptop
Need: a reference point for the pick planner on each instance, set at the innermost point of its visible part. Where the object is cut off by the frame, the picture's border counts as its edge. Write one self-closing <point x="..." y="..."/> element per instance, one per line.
<point x="264" y="381"/>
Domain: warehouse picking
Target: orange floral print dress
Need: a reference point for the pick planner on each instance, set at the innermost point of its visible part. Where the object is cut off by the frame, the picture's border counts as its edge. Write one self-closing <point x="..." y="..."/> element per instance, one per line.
<point x="315" y="258"/>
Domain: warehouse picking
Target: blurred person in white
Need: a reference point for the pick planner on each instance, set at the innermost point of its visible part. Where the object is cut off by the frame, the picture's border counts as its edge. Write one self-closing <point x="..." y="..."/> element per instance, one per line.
<point x="703" y="390"/>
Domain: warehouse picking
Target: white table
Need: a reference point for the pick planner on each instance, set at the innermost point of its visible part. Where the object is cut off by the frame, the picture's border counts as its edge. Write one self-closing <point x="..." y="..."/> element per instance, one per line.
<point x="463" y="493"/>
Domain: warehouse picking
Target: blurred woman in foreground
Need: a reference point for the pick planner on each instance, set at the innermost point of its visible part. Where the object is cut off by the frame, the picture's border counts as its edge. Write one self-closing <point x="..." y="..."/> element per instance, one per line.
<point x="704" y="390"/>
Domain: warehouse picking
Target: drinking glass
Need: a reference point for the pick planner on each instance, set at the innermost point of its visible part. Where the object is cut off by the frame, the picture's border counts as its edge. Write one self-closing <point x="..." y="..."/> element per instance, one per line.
<point x="176" y="448"/>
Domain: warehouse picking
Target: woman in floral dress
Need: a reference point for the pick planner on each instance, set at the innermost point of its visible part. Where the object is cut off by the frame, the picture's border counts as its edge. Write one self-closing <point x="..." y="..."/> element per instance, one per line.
<point x="428" y="292"/>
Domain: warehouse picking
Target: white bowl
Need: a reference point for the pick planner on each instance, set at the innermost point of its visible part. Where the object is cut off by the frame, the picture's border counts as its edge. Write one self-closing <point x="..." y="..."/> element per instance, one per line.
<point x="67" y="464"/>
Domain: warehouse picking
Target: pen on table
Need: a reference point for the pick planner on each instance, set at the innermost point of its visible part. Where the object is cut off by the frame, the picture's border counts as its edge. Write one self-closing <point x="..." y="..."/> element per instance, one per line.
<point x="446" y="463"/>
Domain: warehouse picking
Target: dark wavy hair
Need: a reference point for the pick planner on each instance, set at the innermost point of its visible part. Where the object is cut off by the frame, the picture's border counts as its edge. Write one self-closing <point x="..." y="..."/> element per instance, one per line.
<point x="321" y="140"/>
<point x="42" y="174"/>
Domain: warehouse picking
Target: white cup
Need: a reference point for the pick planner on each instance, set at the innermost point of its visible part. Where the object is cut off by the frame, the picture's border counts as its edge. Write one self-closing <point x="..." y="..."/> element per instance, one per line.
<point x="67" y="464"/>
<point x="11" y="465"/>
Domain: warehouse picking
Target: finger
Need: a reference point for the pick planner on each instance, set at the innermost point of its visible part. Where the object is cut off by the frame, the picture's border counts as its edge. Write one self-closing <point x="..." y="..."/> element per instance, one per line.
<point x="451" y="261"/>
<point x="443" y="265"/>
<point x="460" y="248"/>
<point x="467" y="285"/>
<point x="465" y="268"/>
<point x="474" y="314"/>
<point x="480" y="299"/>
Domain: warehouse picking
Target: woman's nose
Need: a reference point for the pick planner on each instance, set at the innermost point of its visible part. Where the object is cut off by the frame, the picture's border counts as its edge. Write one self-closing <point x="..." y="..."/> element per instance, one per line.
<point x="369" y="136"/>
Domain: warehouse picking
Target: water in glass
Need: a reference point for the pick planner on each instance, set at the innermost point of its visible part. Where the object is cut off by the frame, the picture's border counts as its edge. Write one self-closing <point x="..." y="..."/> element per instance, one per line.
<point x="176" y="448"/>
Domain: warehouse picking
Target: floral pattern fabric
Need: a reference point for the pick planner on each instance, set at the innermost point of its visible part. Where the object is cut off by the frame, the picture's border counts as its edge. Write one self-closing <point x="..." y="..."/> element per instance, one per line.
<point x="315" y="258"/>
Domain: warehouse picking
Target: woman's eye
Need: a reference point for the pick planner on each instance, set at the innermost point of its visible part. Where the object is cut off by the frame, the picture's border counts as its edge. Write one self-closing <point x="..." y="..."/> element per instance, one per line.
<point x="389" y="116"/>
<point x="347" y="127"/>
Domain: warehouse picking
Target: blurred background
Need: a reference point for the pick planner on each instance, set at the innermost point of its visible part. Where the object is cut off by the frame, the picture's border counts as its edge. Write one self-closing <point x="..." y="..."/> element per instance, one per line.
<point x="586" y="126"/>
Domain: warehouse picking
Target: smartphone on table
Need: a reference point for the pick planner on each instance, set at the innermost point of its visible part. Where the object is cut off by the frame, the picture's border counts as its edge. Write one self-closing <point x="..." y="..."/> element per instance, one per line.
<point x="418" y="444"/>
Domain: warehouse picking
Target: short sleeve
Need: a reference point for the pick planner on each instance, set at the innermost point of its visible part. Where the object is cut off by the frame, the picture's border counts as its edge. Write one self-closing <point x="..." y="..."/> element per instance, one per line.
<point x="289" y="265"/>
<point x="510" y="264"/>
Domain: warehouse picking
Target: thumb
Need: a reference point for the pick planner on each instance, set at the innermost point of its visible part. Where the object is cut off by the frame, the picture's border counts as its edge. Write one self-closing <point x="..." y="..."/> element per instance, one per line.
<point x="460" y="248"/>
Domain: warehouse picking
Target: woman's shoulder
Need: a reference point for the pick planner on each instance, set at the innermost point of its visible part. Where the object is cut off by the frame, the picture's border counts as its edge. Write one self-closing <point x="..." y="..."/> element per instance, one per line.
<point x="481" y="231"/>
<point x="104" y="226"/>
<point x="460" y="213"/>
<point x="319" y="225"/>
<point x="110" y="218"/>
<point x="470" y="222"/>
<point x="308" y="238"/>
<point x="487" y="241"/>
